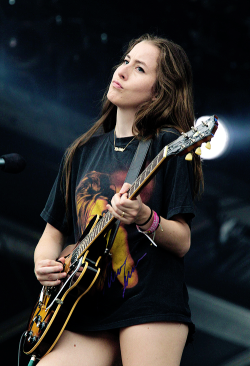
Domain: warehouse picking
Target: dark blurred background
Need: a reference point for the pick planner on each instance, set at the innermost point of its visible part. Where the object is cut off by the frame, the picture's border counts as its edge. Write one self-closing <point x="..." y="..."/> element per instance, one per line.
<point x="55" y="63"/>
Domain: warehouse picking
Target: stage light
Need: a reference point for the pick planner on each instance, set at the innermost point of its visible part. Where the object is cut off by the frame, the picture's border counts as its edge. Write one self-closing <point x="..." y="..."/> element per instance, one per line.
<point x="219" y="143"/>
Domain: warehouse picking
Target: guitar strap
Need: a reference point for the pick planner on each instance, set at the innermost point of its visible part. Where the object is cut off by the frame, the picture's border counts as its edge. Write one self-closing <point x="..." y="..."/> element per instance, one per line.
<point x="133" y="172"/>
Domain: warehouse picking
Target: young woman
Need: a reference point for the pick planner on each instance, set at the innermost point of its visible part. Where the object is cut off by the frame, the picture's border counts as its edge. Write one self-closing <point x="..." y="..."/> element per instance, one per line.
<point x="140" y="313"/>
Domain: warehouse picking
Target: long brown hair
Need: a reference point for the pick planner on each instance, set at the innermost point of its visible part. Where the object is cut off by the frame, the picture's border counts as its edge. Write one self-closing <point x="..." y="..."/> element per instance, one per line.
<point x="172" y="107"/>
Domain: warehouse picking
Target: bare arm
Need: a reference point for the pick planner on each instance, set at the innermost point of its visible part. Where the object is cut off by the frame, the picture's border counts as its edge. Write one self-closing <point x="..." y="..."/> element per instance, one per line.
<point x="49" y="247"/>
<point x="175" y="236"/>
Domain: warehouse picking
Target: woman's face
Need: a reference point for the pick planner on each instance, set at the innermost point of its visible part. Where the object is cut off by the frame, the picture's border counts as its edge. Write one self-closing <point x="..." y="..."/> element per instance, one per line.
<point x="133" y="81"/>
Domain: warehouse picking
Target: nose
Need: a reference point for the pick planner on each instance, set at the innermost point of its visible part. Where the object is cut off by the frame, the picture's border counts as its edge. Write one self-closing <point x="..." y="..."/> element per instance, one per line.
<point x="123" y="71"/>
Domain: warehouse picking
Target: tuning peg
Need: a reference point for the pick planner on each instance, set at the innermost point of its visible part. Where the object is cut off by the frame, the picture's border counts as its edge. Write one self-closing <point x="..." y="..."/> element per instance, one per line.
<point x="189" y="157"/>
<point x="208" y="145"/>
<point x="198" y="151"/>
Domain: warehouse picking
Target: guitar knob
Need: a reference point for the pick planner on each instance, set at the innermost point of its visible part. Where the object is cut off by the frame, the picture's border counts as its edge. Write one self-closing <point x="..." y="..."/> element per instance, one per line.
<point x="198" y="151"/>
<point x="38" y="320"/>
<point x="33" y="339"/>
<point x="189" y="157"/>
<point x="43" y="326"/>
<point x="29" y="335"/>
<point x="208" y="145"/>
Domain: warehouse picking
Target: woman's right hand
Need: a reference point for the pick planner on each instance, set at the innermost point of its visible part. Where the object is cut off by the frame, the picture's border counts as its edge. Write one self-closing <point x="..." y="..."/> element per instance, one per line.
<point x="50" y="272"/>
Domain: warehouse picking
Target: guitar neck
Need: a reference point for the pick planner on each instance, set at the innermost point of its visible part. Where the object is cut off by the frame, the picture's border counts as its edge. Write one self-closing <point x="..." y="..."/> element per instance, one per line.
<point x="184" y="143"/>
<point x="147" y="174"/>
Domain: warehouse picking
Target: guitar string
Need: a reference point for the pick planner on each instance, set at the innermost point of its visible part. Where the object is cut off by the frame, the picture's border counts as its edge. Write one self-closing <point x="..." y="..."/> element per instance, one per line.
<point x="132" y="188"/>
<point x="102" y="222"/>
<point x="84" y="243"/>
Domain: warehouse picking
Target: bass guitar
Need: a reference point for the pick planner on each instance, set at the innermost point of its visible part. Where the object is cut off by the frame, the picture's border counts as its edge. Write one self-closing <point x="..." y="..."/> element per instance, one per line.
<point x="56" y="304"/>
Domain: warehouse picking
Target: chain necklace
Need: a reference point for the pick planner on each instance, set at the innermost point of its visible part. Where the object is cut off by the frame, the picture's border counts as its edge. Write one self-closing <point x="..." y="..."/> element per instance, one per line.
<point x="121" y="149"/>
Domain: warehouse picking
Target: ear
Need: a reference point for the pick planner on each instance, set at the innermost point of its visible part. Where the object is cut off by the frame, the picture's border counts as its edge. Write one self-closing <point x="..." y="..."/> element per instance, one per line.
<point x="154" y="98"/>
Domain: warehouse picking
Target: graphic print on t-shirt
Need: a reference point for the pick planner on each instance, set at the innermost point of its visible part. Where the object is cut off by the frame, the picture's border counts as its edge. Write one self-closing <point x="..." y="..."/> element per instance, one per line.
<point x="93" y="193"/>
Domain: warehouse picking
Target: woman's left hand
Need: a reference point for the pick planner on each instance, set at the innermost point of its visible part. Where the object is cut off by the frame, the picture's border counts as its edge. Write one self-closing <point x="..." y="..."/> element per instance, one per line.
<point x="124" y="209"/>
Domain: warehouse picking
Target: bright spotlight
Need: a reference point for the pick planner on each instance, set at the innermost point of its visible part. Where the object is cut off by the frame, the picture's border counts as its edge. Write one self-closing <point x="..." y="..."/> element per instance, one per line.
<point x="219" y="143"/>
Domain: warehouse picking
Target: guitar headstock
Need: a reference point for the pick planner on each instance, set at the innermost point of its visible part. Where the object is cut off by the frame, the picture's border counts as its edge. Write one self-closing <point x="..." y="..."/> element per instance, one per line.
<point x="194" y="138"/>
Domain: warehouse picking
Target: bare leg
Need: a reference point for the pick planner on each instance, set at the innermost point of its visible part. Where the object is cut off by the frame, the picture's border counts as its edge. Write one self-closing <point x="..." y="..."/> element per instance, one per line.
<point x="158" y="344"/>
<point x="88" y="349"/>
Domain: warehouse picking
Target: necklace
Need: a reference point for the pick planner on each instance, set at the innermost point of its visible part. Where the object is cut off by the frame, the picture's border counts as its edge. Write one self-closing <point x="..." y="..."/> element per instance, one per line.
<point x="121" y="149"/>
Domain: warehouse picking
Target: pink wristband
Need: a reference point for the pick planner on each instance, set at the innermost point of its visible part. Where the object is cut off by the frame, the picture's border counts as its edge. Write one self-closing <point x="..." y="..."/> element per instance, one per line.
<point x="153" y="227"/>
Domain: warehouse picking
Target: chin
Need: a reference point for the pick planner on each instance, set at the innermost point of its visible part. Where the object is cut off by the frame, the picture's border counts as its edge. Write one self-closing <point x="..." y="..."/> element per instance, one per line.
<point x="112" y="98"/>
<point x="109" y="96"/>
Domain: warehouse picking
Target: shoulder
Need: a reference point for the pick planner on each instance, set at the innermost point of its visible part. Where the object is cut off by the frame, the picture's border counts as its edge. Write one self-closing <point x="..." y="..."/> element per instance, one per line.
<point x="94" y="142"/>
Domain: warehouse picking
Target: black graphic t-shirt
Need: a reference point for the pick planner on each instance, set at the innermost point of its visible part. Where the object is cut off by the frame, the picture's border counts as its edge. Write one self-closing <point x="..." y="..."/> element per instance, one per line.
<point x="143" y="283"/>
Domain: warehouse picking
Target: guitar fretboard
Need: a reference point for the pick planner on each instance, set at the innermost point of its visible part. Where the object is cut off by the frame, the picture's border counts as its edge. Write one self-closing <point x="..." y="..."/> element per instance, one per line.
<point x="146" y="174"/>
<point x="183" y="143"/>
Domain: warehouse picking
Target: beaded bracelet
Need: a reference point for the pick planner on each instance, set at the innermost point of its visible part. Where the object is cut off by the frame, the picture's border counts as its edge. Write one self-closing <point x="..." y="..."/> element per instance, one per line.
<point x="151" y="213"/>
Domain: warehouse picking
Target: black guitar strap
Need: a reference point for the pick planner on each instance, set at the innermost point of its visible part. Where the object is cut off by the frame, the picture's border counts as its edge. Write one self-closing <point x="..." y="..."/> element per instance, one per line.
<point x="133" y="172"/>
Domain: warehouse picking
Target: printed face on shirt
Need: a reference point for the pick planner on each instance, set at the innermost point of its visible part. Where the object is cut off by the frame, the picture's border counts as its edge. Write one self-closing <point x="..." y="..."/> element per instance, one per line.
<point x="93" y="193"/>
<point x="133" y="81"/>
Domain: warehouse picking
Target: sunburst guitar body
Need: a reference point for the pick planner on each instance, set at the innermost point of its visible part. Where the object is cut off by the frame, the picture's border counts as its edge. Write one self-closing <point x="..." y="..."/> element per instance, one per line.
<point x="56" y="304"/>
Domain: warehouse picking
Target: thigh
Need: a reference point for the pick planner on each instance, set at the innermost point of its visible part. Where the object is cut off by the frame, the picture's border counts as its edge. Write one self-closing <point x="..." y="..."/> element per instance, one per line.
<point x="158" y="344"/>
<point x="88" y="349"/>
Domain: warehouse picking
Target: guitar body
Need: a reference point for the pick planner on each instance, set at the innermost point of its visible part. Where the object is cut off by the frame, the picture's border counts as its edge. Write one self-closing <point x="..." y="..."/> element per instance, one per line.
<point x="56" y="304"/>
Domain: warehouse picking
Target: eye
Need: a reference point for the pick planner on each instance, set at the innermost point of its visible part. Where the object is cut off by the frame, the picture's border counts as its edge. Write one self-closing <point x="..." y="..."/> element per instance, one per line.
<point x="139" y="68"/>
<point x="125" y="62"/>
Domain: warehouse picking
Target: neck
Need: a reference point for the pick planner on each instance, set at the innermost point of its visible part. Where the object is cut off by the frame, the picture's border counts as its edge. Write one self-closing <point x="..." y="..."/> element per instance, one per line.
<point x="124" y="123"/>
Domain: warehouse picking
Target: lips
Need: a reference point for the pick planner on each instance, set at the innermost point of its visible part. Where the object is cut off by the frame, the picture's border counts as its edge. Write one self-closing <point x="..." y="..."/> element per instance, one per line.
<point x="117" y="85"/>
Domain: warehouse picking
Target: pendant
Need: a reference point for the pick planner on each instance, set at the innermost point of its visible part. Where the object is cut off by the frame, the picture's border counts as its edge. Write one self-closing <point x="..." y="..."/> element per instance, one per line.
<point x="121" y="149"/>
